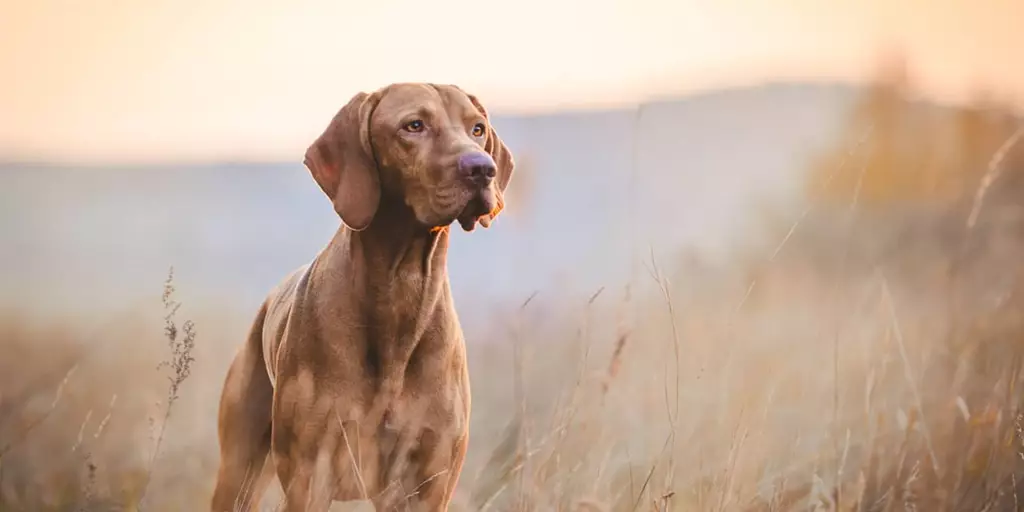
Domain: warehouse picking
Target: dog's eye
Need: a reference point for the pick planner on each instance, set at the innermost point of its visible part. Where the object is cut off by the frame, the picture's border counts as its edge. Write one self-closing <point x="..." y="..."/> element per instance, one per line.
<point x="414" y="126"/>
<point x="478" y="130"/>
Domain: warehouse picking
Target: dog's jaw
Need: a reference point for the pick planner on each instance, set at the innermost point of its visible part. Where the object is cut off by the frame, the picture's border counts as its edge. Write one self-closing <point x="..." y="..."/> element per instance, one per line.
<point x="483" y="205"/>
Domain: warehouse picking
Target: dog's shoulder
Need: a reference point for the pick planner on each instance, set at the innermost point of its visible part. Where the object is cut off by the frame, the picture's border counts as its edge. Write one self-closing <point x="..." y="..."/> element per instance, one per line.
<point x="282" y="297"/>
<point x="279" y="305"/>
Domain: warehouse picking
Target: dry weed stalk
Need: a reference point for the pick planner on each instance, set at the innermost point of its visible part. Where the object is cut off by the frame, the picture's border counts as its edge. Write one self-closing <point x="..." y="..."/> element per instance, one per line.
<point x="181" y="344"/>
<point x="992" y="173"/>
<point x="35" y="423"/>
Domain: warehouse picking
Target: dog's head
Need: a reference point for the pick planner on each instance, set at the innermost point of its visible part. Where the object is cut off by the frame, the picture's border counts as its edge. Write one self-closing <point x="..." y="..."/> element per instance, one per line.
<point x="429" y="148"/>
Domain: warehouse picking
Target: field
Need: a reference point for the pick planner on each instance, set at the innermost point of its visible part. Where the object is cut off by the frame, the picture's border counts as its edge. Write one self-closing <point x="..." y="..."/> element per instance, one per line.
<point x="863" y="352"/>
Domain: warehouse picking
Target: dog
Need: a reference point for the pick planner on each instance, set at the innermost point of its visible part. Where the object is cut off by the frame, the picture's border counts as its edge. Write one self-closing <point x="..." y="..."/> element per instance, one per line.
<point x="353" y="382"/>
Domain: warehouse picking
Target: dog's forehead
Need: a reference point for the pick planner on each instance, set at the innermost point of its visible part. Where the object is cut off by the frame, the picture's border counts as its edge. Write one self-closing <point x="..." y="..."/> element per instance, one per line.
<point x="429" y="97"/>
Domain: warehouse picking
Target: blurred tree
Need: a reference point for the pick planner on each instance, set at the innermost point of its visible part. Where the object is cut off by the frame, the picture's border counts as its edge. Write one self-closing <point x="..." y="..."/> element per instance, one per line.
<point x="905" y="151"/>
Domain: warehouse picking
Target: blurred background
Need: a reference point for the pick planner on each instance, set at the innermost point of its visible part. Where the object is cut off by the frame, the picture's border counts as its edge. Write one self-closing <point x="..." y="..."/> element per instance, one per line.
<point x="756" y="255"/>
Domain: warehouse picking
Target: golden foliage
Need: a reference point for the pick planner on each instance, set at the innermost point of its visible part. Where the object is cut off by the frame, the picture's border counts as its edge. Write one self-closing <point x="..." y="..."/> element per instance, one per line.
<point x="894" y="148"/>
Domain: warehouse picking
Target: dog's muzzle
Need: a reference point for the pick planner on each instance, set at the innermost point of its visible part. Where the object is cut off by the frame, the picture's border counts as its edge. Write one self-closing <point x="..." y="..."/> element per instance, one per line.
<point x="477" y="170"/>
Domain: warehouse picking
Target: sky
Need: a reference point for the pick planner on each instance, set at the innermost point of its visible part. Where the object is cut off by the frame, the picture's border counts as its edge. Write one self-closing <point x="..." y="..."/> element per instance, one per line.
<point x="191" y="80"/>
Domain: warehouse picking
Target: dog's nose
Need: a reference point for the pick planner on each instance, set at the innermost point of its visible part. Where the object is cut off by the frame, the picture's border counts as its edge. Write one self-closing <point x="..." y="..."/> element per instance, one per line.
<point x="478" y="167"/>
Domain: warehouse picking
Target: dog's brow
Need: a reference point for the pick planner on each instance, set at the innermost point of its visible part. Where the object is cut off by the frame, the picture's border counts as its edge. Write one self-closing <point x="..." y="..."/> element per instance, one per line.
<point x="419" y="112"/>
<point x="473" y="116"/>
<point x="459" y="113"/>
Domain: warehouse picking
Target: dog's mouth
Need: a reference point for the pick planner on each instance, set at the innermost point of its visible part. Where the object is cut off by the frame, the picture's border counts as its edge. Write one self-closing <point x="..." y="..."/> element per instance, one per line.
<point x="480" y="205"/>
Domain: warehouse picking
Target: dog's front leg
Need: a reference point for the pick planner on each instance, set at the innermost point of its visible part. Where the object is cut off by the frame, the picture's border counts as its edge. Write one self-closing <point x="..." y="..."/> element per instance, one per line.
<point x="307" y="474"/>
<point x="438" y="474"/>
<point x="304" y="447"/>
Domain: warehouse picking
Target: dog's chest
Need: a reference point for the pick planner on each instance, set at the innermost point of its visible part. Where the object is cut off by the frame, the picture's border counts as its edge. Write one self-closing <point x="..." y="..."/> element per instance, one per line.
<point x="416" y="427"/>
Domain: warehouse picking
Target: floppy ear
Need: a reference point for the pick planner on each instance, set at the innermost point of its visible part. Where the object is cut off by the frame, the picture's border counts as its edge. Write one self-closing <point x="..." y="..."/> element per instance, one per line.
<point x="341" y="161"/>
<point x="502" y="158"/>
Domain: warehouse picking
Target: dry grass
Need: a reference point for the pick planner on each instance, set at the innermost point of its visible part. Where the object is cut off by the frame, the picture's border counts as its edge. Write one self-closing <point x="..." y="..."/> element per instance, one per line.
<point x="800" y="391"/>
<point x="871" y="361"/>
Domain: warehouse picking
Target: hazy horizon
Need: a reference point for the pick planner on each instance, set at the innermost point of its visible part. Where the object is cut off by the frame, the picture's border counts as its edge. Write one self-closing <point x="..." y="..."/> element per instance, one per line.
<point x="499" y="118"/>
<point x="205" y="218"/>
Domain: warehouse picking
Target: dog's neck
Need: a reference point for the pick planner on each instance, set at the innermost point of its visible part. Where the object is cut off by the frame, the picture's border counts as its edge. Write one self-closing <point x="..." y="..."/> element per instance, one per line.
<point x="394" y="251"/>
<point x="397" y="265"/>
<point x="397" y="270"/>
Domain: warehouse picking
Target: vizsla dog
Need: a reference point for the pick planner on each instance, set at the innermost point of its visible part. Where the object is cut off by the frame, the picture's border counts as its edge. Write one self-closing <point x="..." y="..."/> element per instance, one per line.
<point x="353" y="378"/>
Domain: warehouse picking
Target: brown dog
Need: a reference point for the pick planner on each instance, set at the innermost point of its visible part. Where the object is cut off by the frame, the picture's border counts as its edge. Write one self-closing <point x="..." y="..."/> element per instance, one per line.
<point x="354" y="375"/>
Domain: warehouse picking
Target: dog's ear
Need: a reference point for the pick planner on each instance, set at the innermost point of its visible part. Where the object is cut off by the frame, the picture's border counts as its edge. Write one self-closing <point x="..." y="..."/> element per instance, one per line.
<point x="502" y="158"/>
<point x="341" y="161"/>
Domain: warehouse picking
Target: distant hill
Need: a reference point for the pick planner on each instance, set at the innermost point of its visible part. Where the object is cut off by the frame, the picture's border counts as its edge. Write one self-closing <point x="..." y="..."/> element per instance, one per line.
<point x="697" y="168"/>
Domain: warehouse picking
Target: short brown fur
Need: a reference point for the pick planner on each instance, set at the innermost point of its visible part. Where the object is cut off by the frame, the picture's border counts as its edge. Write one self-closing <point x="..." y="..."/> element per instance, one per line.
<point x="353" y="381"/>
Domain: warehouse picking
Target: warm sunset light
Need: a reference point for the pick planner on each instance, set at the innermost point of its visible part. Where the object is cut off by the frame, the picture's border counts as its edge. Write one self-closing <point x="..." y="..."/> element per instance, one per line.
<point x="113" y="80"/>
<point x="752" y="255"/>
